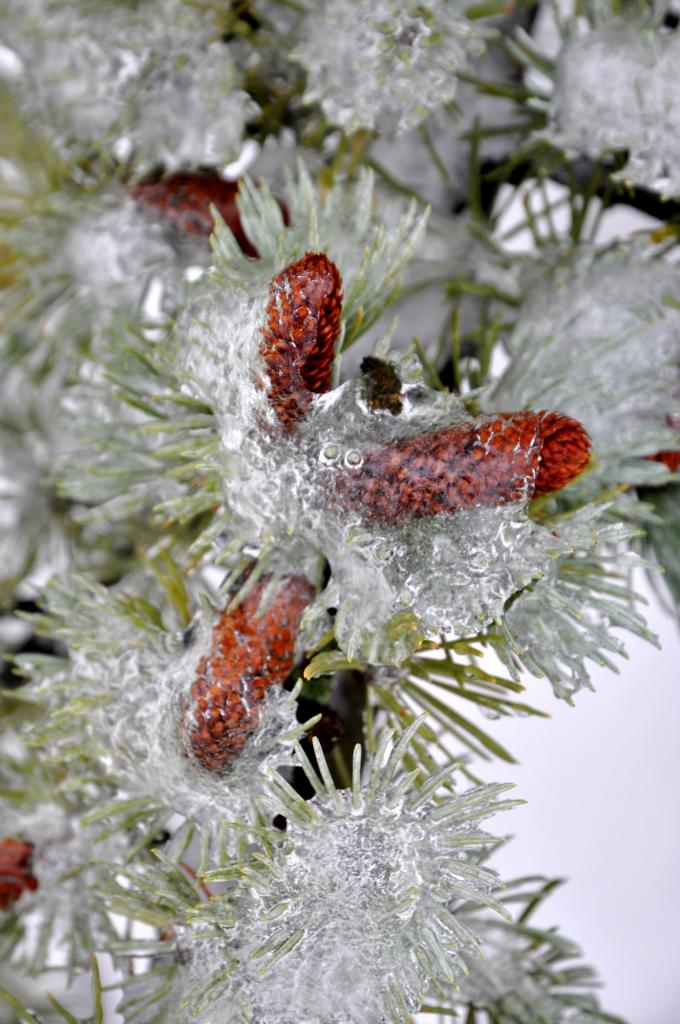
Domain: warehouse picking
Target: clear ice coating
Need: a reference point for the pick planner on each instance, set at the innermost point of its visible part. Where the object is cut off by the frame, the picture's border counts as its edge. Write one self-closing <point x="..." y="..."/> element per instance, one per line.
<point x="598" y="337"/>
<point x="616" y="88"/>
<point x="152" y="79"/>
<point x="112" y="250"/>
<point x="567" y="618"/>
<point x="394" y="583"/>
<point x="136" y="680"/>
<point x="346" y="919"/>
<point x="525" y="973"/>
<point x="384" y="65"/>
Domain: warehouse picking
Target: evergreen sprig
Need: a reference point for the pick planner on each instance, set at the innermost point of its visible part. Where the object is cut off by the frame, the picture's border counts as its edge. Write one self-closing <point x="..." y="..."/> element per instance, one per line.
<point x="154" y="504"/>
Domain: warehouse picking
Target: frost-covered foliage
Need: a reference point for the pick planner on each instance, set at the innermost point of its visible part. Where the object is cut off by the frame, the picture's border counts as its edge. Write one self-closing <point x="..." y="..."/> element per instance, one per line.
<point x="598" y="336"/>
<point x="391" y="582"/>
<point x="526" y="975"/>
<point x="408" y="579"/>
<point x="562" y="621"/>
<point x="298" y="525"/>
<point x="552" y="627"/>
<point x="82" y="259"/>
<point x="615" y="88"/>
<point x="126" y="691"/>
<point x="385" y="65"/>
<point x="394" y="584"/>
<point x="151" y="82"/>
<point x="346" y="917"/>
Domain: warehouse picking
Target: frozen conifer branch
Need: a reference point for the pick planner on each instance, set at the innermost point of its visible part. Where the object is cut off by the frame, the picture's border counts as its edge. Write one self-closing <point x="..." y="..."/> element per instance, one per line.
<point x="265" y="528"/>
<point x="352" y="901"/>
<point x="189" y="720"/>
<point x="527" y="975"/>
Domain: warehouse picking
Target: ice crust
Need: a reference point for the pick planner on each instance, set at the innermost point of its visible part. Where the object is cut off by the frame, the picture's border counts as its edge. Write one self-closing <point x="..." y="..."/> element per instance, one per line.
<point x="374" y="64"/>
<point x="558" y="627"/>
<point x="150" y="80"/>
<point x="362" y="884"/>
<point x="616" y="88"/>
<point x="598" y="337"/>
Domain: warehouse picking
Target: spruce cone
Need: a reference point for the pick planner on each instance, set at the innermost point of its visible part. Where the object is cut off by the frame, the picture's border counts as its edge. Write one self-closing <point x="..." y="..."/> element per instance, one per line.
<point x="505" y="459"/>
<point x="183" y="200"/>
<point x="16" y="871"/>
<point x="247" y="656"/>
<point x="669" y="457"/>
<point x="298" y="340"/>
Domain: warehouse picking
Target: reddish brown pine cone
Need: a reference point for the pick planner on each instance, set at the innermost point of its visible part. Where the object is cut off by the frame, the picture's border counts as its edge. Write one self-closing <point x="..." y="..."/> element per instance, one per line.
<point x="16" y="871"/>
<point x="183" y="200"/>
<point x="247" y="656"/>
<point x="669" y="457"/>
<point x="298" y="340"/>
<point x="565" y="450"/>
<point x="505" y="459"/>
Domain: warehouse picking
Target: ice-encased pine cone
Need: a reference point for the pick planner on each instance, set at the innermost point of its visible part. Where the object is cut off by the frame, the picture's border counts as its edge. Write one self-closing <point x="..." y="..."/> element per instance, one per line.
<point x="298" y="339"/>
<point x="510" y="457"/>
<point x="183" y="201"/>
<point x="669" y="457"/>
<point x="249" y="653"/>
<point x="16" y="871"/>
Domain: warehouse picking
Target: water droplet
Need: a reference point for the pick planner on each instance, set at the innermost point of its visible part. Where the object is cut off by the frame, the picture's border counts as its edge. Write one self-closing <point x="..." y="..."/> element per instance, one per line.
<point x="330" y="453"/>
<point x="383" y="552"/>
<point x="353" y="458"/>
